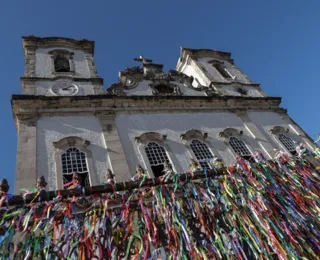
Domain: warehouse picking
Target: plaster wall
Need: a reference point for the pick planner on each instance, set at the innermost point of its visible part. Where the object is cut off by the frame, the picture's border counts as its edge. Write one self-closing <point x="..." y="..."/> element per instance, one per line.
<point x="235" y="72"/>
<point x="44" y="87"/>
<point x="175" y="124"/>
<point x="53" y="129"/>
<point x="144" y="89"/>
<point x="44" y="63"/>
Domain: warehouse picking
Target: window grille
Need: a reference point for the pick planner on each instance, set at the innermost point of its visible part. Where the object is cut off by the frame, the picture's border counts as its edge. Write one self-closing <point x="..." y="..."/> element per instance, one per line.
<point x="202" y="153"/>
<point x="157" y="156"/>
<point x="73" y="160"/>
<point x="240" y="148"/>
<point x="61" y="64"/>
<point x="222" y="70"/>
<point x="288" y="143"/>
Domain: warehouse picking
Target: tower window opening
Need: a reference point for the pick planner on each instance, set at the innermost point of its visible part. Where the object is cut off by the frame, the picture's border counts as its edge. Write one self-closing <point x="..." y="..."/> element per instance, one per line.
<point x="240" y="148"/>
<point x="157" y="157"/>
<point x="288" y="143"/>
<point x="202" y="153"/>
<point x="61" y="64"/>
<point x="222" y="70"/>
<point x="75" y="161"/>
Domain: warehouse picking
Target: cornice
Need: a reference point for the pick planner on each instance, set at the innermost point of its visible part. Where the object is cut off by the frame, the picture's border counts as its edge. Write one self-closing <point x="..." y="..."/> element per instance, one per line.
<point x="27" y="104"/>
<point x="33" y="42"/>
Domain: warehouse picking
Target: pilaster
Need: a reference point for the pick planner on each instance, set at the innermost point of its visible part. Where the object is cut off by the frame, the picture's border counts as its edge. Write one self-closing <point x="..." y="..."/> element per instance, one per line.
<point x="116" y="153"/>
<point x="26" y="175"/>
<point x="262" y="140"/>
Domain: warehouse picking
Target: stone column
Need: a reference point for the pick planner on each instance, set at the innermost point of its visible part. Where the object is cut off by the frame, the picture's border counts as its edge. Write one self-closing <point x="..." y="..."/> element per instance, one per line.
<point x="263" y="141"/>
<point x="26" y="175"/>
<point x="118" y="160"/>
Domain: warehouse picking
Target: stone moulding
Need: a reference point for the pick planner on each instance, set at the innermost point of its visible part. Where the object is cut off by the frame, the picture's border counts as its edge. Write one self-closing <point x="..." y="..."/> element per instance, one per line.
<point x="71" y="141"/>
<point x="278" y="130"/>
<point x="150" y="136"/>
<point x="31" y="42"/>
<point x="225" y="134"/>
<point x="29" y="104"/>
<point x="192" y="134"/>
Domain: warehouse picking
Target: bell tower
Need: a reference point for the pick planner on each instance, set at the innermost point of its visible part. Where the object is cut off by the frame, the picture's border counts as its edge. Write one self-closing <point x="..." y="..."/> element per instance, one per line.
<point x="56" y="66"/>
<point x="58" y="131"/>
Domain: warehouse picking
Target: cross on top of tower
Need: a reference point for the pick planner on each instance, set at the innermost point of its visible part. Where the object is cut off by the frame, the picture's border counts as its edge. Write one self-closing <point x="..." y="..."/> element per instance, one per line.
<point x="143" y="59"/>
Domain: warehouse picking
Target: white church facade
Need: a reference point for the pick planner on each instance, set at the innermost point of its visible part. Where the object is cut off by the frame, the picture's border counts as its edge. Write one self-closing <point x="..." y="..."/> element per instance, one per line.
<point x="67" y="122"/>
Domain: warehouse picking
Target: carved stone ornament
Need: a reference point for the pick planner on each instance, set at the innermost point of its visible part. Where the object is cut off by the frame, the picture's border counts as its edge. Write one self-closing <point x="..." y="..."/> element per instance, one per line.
<point x="210" y="91"/>
<point x="278" y="130"/>
<point x="119" y="92"/>
<point x="134" y="72"/>
<point x="228" y="132"/>
<point x="150" y="136"/>
<point x="128" y="82"/>
<point x="181" y="78"/>
<point x="192" y="134"/>
<point x="161" y="87"/>
<point x="71" y="141"/>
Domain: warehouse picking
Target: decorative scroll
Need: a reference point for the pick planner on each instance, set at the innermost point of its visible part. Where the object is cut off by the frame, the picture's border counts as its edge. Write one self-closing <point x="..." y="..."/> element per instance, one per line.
<point x="264" y="210"/>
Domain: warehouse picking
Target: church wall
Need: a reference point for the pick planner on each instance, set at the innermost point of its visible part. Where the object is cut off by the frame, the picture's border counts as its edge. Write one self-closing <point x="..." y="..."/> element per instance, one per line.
<point x="175" y="124"/>
<point x="43" y="88"/>
<point x="53" y="129"/>
<point x="44" y="63"/>
<point x="265" y="121"/>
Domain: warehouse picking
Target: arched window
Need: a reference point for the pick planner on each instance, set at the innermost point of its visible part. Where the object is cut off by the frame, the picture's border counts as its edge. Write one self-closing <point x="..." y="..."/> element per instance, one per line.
<point x="201" y="152"/>
<point x="61" y="64"/>
<point x="240" y="148"/>
<point x="73" y="160"/>
<point x="288" y="143"/>
<point x="157" y="157"/>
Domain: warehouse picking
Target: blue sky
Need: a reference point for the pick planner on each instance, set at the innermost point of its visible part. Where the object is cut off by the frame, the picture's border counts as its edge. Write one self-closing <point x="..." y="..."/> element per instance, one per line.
<point x="276" y="43"/>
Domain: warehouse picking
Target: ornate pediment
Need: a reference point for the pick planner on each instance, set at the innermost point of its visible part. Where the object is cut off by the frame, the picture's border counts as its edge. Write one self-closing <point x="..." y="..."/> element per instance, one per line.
<point x="193" y="134"/>
<point x="278" y="130"/>
<point x="230" y="132"/>
<point x="180" y="77"/>
<point x="150" y="136"/>
<point x="162" y="83"/>
<point x="71" y="141"/>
